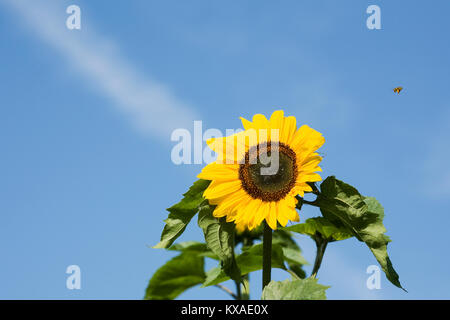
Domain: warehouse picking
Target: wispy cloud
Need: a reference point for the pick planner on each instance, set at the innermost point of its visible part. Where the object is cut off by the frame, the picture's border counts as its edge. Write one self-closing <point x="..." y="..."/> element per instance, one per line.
<point x="150" y="105"/>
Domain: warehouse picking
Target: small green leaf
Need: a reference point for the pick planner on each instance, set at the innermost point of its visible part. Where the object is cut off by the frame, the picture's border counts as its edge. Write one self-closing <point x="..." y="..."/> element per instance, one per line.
<point x="363" y="216"/>
<point x="176" y="276"/>
<point x="304" y="289"/>
<point x="181" y="213"/>
<point x="219" y="236"/>
<point x="329" y="231"/>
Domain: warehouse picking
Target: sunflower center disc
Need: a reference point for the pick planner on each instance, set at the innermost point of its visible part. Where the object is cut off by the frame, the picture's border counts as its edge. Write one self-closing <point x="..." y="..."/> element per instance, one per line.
<point x="266" y="181"/>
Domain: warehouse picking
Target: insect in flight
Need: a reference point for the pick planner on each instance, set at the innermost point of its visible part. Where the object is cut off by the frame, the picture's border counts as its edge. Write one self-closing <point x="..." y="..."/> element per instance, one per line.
<point x="398" y="89"/>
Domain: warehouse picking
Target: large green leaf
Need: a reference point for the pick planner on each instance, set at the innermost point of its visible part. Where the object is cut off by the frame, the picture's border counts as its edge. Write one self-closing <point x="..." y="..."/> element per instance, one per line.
<point x="303" y="289"/>
<point x="249" y="260"/>
<point x="363" y="216"/>
<point x="219" y="236"/>
<point x="181" y="214"/>
<point x="377" y="241"/>
<point x="177" y="275"/>
<point x="193" y="246"/>
<point x="189" y="246"/>
<point x="292" y="253"/>
<point x="328" y="230"/>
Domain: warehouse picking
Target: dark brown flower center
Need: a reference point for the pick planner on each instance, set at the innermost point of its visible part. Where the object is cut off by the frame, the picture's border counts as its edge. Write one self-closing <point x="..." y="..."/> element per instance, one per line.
<point x="260" y="175"/>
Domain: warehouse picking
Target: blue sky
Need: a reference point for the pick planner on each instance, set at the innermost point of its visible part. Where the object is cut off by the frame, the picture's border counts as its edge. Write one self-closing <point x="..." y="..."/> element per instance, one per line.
<point x="86" y="116"/>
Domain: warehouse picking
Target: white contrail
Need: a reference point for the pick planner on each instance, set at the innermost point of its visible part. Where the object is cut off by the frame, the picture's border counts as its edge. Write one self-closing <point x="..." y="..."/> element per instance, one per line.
<point x="150" y="105"/>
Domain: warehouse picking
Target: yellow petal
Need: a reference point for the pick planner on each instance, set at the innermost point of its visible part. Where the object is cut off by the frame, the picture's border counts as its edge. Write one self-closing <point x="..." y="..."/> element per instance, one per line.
<point x="222" y="188"/>
<point x="277" y="119"/>
<point x="288" y="131"/>
<point x="231" y="149"/>
<point x="246" y="124"/>
<point x="255" y="211"/>
<point x="229" y="204"/>
<point x="306" y="141"/>
<point x="260" y="122"/>
<point x="308" y="177"/>
<point x="214" y="171"/>
<point x="272" y="216"/>
<point x="281" y="216"/>
<point x="309" y="164"/>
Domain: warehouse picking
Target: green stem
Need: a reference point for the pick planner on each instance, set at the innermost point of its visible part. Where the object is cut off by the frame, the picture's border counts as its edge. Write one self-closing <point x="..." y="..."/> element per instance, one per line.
<point x="267" y="255"/>
<point x="302" y="201"/>
<point x="311" y="203"/>
<point x="321" y="245"/>
<point x="238" y="290"/>
<point x="246" y="243"/>
<point x="314" y="188"/>
<point x="226" y="290"/>
<point x="293" y="274"/>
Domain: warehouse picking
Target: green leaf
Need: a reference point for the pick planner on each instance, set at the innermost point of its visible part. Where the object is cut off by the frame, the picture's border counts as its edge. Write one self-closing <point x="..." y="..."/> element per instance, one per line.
<point x="363" y="216"/>
<point x="214" y="276"/>
<point x="182" y="213"/>
<point x="189" y="246"/>
<point x="193" y="246"/>
<point x="304" y="289"/>
<point x="249" y="260"/>
<point x="298" y="270"/>
<point x="249" y="236"/>
<point x="174" y="277"/>
<point x="377" y="241"/>
<point x="219" y="236"/>
<point x="292" y="253"/>
<point x="328" y="230"/>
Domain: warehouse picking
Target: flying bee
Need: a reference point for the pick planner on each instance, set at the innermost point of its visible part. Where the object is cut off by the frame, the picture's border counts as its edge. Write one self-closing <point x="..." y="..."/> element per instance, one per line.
<point x="398" y="89"/>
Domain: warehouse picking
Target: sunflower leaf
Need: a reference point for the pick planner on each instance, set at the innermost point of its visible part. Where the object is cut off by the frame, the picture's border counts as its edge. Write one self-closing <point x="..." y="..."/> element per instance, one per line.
<point x="249" y="260"/>
<point x="292" y="253"/>
<point x="362" y="216"/>
<point x="304" y="289"/>
<point x="175" y="276"/>
<point x="181" y="213"/>
<point x="328" y="230"/>
<point x="219" y="237"/>
<point x="194" y="247"/>
<point x="188" y="246"/>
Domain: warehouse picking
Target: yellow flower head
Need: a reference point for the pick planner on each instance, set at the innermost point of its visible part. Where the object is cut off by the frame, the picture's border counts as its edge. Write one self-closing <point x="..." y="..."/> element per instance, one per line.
<point x="259" y="171"/>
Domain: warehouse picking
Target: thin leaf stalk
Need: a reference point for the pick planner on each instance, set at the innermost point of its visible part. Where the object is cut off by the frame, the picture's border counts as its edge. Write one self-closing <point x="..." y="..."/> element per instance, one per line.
<point x="321" y="245"/>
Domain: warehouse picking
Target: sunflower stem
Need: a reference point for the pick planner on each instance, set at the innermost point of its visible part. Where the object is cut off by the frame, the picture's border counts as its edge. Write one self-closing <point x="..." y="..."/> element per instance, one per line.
<point x="267" y="255"/>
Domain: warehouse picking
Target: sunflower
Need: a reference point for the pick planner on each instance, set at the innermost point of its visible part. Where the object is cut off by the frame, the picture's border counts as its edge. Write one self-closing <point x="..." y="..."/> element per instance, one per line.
<point x="259" y="171"/>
